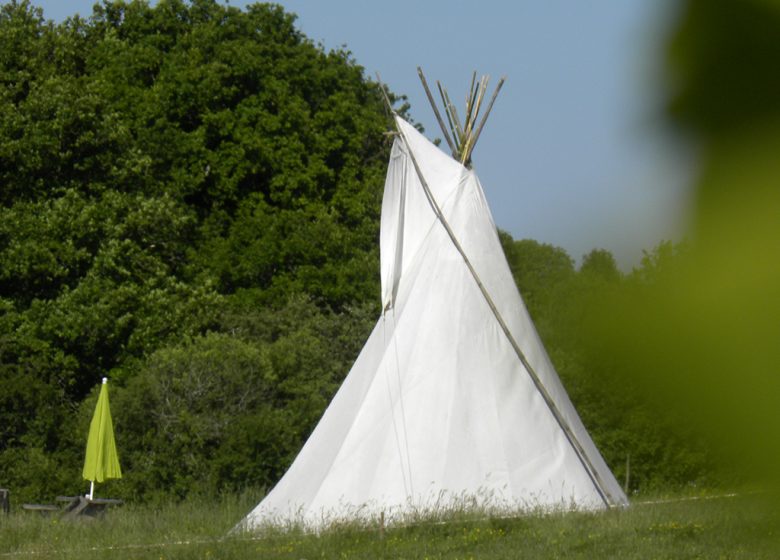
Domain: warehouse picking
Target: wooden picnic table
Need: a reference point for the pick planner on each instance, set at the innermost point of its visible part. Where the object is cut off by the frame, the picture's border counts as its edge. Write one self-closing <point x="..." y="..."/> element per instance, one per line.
<point x="81" y="505"/>
<point x="75" y="506"/>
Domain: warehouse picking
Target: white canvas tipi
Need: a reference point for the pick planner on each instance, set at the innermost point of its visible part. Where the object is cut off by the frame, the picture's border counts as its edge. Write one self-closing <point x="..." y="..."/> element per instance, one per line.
<point x="453" y="397"/>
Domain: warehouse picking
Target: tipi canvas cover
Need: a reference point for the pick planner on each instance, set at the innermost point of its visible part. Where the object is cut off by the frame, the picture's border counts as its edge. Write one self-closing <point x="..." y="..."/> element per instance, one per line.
<point x="453" y="399"/>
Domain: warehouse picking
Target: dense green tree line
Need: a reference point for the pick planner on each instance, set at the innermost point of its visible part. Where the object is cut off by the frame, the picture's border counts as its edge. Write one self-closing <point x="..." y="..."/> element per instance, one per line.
<point x="168" y="172"/>
<point x="189" y="203"/>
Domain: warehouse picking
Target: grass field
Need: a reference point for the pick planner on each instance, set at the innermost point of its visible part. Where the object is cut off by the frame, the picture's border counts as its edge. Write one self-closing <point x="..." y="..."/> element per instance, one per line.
<point x="707" y="527"/>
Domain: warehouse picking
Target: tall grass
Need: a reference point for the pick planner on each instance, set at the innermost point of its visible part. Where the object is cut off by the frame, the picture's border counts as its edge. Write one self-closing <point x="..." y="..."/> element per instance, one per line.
<point x="735" y="527"/>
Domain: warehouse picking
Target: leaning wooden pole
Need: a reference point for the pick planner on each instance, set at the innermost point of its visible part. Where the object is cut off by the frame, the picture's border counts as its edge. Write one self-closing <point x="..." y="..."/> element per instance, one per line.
<point x="436" y="112"/>
<point x="485" y="116"/>
<point x="471" y="140"/>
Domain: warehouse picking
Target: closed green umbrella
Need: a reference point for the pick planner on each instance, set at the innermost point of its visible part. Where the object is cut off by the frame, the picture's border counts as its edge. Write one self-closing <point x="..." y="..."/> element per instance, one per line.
<point x="101" y="461"/>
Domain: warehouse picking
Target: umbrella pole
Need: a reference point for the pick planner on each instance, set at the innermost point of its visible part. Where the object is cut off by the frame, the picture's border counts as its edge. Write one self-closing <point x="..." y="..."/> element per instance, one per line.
<point x="91" y="488"/>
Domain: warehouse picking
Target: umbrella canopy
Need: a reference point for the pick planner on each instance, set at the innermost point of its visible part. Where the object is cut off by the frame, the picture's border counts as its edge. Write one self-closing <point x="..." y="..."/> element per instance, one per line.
<point x="101" y="461"/>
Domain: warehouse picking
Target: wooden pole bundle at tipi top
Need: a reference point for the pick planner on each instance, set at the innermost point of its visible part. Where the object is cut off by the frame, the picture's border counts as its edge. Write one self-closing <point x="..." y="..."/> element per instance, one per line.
<point x="461" y="137"/>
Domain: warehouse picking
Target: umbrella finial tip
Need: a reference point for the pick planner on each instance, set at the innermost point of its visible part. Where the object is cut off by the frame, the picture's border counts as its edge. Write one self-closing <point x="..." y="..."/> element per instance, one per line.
<point x="105" y="380"/>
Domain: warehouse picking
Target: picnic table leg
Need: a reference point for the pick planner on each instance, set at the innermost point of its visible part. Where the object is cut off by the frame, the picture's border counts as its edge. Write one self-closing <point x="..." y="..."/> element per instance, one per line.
<point x="5" y="500"/>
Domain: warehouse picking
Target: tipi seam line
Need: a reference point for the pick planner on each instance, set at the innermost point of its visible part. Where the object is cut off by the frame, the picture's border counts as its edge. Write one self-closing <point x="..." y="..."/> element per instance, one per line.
<point x="392" y="414"/>
<point x="403" y="410"/>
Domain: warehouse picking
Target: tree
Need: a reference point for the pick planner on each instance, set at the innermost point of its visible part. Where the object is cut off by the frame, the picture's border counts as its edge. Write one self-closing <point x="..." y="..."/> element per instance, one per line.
<point x="225" y="412"/>
<point x="158" y="166"/>
<point x="600" y="264"/>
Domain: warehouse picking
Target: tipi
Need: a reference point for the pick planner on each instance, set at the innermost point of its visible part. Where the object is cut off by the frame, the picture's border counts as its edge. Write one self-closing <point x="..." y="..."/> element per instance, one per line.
<point x="453" y="399"/>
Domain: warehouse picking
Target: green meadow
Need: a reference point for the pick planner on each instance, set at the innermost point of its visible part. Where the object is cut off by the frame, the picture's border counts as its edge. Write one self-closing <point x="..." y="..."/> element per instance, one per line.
<point x="711" y="526"/>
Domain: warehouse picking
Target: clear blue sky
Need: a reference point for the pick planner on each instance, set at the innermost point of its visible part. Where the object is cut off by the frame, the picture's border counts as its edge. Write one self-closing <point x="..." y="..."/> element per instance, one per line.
<point x="575" y="152"/>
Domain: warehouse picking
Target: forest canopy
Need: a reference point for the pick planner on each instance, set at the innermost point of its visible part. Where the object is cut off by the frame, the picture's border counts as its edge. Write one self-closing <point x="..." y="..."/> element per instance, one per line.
<point x="168" y="172"/>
